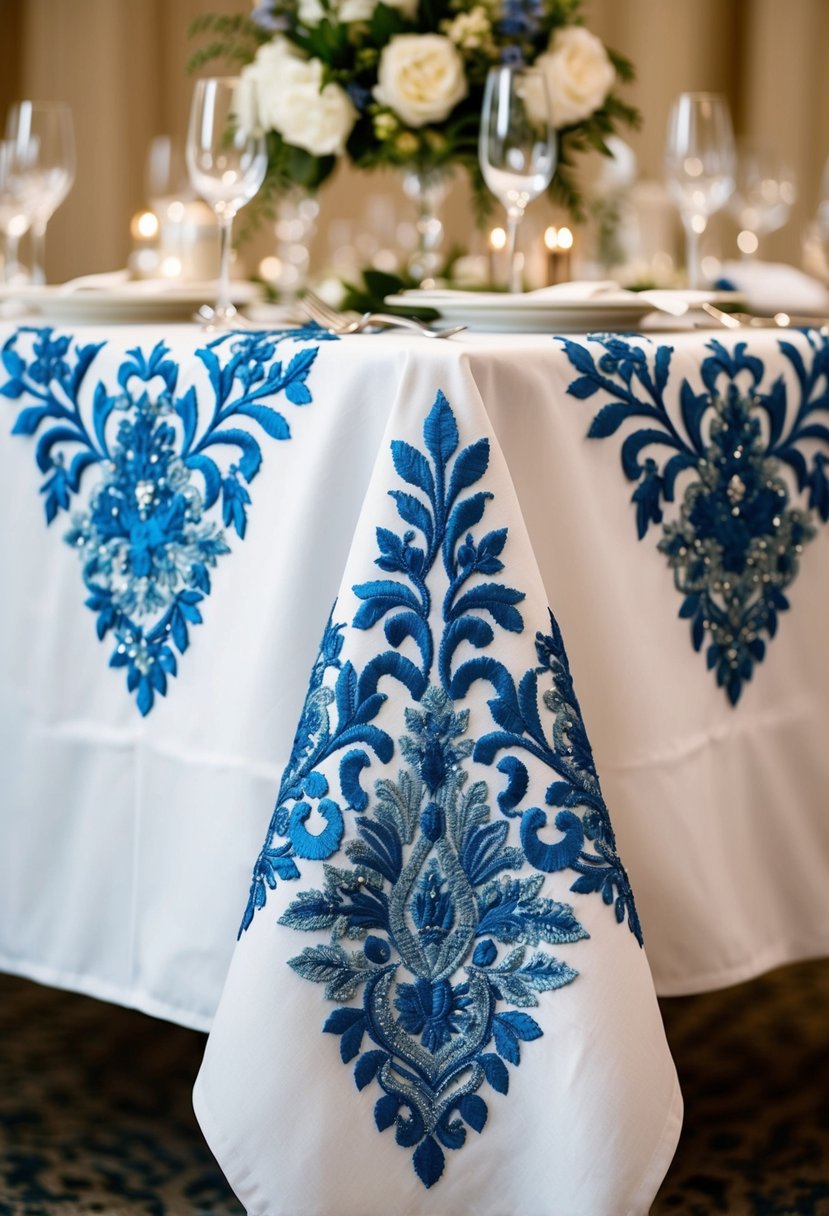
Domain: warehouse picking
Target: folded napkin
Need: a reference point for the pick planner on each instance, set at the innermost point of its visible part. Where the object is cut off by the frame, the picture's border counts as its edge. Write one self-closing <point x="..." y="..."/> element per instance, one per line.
<point x="771" y="287"/>
<point x="560" y="293"/>
<point x="88" y="282"/>
<point x="579" y="291"/>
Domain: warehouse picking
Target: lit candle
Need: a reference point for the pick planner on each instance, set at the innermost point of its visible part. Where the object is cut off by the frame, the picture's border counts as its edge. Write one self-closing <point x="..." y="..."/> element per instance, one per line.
<point x="559" y="244"/>
<point x="188" y="241"/>
<point x="143" y="261"/>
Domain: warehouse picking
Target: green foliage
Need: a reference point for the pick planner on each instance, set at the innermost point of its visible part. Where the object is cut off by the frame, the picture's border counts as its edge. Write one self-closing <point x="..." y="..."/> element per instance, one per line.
<point x="350" y="52"/>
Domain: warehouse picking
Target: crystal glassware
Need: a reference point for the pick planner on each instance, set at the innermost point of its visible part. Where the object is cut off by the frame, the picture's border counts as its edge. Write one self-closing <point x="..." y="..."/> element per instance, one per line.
<point x="227" y="160"/>
<point x="15" y="207"/>
<point x="766" y="190"/>
<point x="516" y="147"/>
<point x="700" y="164"/>
<point x="43" y="136"/>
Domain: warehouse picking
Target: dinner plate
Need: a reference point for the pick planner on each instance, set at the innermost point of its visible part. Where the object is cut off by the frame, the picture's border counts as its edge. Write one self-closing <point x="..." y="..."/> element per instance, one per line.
<point x="127" y="302"/>
<point x="538" y="312"/>
<point x="508" y="313"/>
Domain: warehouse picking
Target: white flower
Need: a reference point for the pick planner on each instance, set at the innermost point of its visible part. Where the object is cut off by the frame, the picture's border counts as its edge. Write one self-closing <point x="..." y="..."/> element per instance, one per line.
<point x="291" y="100"/>
<point x="311" y="12"/>
<point x="471" y="31"/>
<point x="579" y="75"/>
<point x="421" y="78"/>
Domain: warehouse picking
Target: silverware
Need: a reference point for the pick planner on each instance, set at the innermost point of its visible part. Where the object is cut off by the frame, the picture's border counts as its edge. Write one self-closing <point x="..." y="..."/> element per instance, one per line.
<point x="780" y="320"/>
<point x="342" y="323"/>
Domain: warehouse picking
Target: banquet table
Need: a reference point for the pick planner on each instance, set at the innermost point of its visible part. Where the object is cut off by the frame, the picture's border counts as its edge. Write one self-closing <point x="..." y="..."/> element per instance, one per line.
<point x="383" y="706"/>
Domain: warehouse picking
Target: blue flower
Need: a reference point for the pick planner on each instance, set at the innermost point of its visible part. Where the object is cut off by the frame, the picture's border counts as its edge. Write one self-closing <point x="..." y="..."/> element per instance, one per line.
<point x="435" y="1011"/>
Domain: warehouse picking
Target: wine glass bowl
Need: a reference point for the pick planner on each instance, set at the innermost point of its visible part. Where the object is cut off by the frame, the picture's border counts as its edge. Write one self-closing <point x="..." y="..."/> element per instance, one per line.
<point x="44" y="142"/>
<point x="766" y="191"/>
<point x="516" y="147"/>
<point x="700" y="164"/>
<point x="16" y="206"/>
<point x="227" y="161"/>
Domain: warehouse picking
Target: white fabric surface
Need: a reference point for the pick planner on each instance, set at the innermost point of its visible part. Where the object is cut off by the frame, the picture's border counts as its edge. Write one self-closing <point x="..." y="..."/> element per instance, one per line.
<point x="771" y="287"/>
<point x="126" y="843"/>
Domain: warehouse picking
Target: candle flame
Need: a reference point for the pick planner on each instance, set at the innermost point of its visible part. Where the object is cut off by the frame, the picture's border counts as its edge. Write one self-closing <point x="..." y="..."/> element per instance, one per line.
<point x="558" y="238"/>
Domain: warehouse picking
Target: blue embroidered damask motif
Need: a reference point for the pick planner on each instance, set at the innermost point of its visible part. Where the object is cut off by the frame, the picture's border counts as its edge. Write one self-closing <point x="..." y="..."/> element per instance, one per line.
<point x="442" y="919"/>
<point x="735" y="545"/>
<point x="149" y="534"/>
<point x="437" y="916"/>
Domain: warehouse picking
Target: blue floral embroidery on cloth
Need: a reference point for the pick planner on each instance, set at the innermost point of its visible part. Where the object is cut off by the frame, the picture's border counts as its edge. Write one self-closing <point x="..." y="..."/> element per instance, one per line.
<point x="447" y="924"/>
<point x="735" y="546"/>
<point x="435" y="916"/>
<point x="146" y="538"/>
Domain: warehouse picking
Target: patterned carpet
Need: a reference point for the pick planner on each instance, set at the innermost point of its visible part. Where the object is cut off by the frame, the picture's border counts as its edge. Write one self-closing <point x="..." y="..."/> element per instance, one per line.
<point x="95" y="1110"/>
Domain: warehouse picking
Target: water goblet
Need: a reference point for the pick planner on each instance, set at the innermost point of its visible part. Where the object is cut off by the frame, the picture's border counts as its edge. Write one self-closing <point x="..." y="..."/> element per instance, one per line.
<point x="516" y="147"/>
<point x="15" y="207"/>
<point x="43" y="136"/>
<point x="765" y="192"/>
<point x="227" y="161"/>
<point x="699" y="167"/>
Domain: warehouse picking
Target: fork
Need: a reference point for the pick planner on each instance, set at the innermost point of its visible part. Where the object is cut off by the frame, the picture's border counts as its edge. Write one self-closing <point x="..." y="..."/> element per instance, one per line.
<point x="342" y="323"/>
<point x="780" y="320"/>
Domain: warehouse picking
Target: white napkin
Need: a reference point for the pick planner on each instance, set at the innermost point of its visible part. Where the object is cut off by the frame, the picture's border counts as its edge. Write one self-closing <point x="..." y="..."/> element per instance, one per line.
<point x="87" y="282"/>
<point x="560" y="293"/>
<point x="772" y="287"/>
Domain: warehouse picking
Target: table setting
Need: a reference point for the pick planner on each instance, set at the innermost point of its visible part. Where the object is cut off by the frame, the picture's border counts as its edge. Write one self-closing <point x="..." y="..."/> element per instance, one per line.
<point x="408" y="696"/>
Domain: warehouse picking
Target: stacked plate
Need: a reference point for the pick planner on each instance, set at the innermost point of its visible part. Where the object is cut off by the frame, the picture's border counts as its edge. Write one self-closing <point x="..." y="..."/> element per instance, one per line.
<point x="107" y="303"/>
<point x="566" y="308"/>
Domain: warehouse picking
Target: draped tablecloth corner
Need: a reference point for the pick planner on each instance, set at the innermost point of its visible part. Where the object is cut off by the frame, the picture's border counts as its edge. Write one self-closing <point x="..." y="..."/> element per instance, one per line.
<point x="439" y="985"/>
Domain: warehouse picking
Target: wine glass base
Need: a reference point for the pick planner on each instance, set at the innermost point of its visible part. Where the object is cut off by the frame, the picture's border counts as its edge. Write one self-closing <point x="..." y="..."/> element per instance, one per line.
<point x="220" y="318"/>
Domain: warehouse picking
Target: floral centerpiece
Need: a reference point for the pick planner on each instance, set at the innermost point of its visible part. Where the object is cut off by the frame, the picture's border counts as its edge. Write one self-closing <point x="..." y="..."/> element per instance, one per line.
<point x="400" y="82"/>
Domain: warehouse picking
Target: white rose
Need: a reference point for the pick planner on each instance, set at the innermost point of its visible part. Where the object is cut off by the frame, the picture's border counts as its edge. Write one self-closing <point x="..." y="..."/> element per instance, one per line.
<point x="311" y="12"/>
<point x="291" y="100"/>
<point x="421" y="78"/>
<point x="578" y="72"/>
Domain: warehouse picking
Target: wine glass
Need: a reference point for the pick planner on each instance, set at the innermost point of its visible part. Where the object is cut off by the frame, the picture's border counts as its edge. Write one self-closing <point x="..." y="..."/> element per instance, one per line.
<point x="15" y="207"/>
<point x="699" y="166"/>
<point x="516" y="147"/>
<point x="766" y="190"/>
<point x="227" y="160"/>
<point x="43" y="136"/>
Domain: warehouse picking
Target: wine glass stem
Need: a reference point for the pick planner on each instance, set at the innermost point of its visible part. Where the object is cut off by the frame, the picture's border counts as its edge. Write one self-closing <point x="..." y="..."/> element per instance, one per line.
<point x="37" y="244"/>
<point x="224" y="307"/>
<point x="514" y="260"/>
<point x="692" y="256"/>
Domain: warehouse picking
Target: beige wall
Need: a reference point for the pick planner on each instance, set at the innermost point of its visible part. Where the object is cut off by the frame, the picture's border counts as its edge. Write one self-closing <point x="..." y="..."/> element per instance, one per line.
<point x="122" y="66"/>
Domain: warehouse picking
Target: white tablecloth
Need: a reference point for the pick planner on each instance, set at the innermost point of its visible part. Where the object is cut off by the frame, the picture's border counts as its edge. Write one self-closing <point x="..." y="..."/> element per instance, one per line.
<point x="132" y="820"/>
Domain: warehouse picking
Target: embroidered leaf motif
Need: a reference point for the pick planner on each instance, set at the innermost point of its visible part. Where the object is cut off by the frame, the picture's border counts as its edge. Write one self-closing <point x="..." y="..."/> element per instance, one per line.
<point x="341" y="973"/>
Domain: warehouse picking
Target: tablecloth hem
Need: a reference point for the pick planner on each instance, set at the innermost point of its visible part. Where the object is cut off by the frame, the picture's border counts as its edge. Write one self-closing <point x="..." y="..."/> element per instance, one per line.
<point x="245" y="1187"/>
<point x="662" y="1156"/>
<point x="783" y="955"/>
<point x="238" y="1175"/>
<point x="101" y="990"/>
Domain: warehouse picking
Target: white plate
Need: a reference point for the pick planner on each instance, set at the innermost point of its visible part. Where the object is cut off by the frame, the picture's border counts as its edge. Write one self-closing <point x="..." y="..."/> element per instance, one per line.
<point x="129" y="302"/>
<point x="505" y="313"/>
<point x="537" y="312"/>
